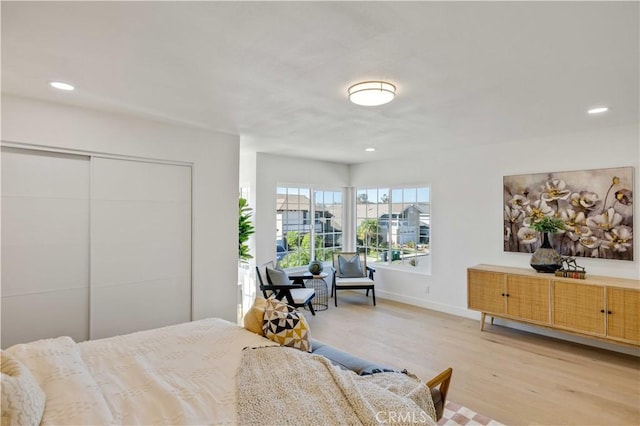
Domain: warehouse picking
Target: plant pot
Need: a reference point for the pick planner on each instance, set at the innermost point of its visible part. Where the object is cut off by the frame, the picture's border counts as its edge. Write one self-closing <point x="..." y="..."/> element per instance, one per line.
<point x="545" y="258"/>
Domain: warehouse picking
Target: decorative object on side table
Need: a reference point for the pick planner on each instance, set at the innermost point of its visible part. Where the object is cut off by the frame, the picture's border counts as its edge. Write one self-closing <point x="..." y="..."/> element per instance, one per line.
<point x="545" y="258"/>
<point x="570" y="269"/>
<point x="315" y="267"/>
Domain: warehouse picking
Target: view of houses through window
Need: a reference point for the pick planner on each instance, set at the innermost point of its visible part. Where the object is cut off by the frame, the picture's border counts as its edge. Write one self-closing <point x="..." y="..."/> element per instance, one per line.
<point x="393" y="225"/>
<point x="309" y="225"/>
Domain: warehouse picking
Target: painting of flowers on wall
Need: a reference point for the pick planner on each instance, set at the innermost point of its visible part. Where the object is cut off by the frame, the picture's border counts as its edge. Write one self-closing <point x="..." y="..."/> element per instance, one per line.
<point x="596" y="207"/>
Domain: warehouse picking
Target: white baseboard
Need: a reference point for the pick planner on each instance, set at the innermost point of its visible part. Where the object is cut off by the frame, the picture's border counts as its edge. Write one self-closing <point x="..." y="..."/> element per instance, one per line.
<point x="435" y="306"/>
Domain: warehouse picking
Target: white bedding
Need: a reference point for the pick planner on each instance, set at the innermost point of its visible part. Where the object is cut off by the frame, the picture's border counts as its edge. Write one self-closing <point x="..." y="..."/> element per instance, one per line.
<point x="181" y="374"/>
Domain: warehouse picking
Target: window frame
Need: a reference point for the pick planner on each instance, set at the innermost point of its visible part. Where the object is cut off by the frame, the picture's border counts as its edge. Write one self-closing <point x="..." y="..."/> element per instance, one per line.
<point x="409" y="250"/>
<point x="311" y="220"/>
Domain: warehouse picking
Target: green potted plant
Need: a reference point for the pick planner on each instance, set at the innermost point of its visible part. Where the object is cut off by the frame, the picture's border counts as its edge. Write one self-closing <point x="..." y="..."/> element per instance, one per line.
<point x="245" y="230"/>
<point x="545" y="258"/>
<point x="548" y="224"/>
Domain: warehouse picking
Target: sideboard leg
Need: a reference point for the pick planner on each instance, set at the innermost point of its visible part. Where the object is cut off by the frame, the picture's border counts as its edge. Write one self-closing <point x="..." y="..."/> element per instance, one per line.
<point x="482" y="321"/>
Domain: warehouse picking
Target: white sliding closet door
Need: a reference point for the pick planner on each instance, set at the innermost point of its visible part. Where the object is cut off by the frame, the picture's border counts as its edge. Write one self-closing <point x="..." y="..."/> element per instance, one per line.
<point x="140" y="245"/>
<point x="45" y="245"/>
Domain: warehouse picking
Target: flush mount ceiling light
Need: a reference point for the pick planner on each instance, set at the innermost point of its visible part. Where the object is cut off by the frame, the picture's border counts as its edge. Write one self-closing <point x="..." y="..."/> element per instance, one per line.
<point x="371" y="93"/>
<point x="598" y="110"/>
<point x="369" y="149"/>
<point x="60" y="85"/>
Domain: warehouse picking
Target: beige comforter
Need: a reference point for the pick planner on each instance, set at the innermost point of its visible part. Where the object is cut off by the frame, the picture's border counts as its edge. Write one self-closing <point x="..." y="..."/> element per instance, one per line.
<point x="280" y="385"/>
<point x="188" y="374"/>
<point x="177" y="375"/>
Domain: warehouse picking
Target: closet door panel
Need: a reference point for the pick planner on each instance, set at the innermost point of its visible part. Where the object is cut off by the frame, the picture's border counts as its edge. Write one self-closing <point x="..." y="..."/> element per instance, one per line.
<point x="139" y="306"/>
<point x="154" y="249"/>
<point x="141" y="246"/>
<point x="29" y="317"/>
<point x="45" y="245"/>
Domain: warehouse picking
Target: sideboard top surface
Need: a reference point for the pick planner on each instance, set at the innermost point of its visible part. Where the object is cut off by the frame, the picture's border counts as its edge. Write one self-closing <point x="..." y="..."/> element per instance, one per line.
<point x="590" y="279"/>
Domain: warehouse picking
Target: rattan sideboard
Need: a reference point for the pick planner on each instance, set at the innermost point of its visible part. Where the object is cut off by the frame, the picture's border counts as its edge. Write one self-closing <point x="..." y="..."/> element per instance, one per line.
<point x="605" y="308"/>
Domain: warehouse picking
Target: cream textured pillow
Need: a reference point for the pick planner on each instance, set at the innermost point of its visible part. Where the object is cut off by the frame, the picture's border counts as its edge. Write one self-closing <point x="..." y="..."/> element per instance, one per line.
<point x="285" y="325"/>
<point x="255" y="315"/>
<point x="22" y="398"/>
<point x="73" y="396"/>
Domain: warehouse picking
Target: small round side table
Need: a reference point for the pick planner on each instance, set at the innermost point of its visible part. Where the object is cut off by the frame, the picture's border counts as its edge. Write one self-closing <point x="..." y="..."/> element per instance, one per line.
<point x="320" y="285"/>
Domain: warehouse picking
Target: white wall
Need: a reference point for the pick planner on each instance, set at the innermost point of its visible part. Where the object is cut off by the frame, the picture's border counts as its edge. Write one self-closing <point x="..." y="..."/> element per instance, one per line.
<point x="215" y="158"/>
<point x="466" y="216"/>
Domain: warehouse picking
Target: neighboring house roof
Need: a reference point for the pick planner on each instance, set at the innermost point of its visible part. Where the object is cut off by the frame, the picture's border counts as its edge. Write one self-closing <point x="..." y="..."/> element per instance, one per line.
<point x="375" y="210"/>
<point x="292" y="202"/>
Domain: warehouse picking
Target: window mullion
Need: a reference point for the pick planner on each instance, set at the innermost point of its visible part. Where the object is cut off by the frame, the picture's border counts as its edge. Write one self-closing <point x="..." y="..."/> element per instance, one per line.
<point x="312" y="225"/>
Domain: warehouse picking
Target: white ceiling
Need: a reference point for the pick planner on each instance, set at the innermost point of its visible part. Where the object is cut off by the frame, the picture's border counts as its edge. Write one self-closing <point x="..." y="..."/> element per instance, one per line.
<point x="276" y="73"/>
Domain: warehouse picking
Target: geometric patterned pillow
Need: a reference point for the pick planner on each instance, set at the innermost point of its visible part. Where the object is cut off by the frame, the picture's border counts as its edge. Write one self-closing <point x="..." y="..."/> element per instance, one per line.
<point x="285" y="325"/>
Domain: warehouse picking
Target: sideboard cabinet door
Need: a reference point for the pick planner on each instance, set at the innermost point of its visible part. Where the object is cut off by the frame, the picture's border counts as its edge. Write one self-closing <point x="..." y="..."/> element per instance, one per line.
<point x="528" y="298"/>
<point x="623" y="314"/>
<point x="486" y="291"/>
<point x="579" y="307"/>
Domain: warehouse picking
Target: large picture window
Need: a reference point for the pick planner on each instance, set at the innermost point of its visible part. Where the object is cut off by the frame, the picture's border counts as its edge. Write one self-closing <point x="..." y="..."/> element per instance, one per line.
<point x="309" y="225"/>
<point x="393" y="225"/>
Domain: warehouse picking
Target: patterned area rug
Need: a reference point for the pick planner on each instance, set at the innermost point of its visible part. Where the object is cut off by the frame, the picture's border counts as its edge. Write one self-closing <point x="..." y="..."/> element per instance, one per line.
<point x="455" y="415"/>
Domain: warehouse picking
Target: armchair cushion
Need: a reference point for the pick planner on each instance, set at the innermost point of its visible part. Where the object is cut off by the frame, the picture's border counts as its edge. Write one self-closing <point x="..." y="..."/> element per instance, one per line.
<point x="350" y="268"/>
<point x="277" y="276"/>
<point x="285" y="325"/>
<point x="353" y="281"/>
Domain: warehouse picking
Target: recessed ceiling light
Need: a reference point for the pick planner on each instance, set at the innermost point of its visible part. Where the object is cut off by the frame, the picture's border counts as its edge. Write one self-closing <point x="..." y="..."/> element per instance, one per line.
<point x="370" y="149"/>
<point x="371" y="93"/>
<point x="60" y="85"/>
<point x="598" y="110"/>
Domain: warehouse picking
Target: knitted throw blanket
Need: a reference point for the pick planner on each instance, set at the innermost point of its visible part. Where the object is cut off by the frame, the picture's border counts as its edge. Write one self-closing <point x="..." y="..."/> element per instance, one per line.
<point x="281" y="385"/>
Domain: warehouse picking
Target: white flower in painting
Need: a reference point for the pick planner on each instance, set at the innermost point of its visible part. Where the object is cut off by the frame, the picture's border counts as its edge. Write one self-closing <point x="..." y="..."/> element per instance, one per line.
<point x="605" y="221"/>
<point x="619" y="239"/>
<point x="585" y="199"/>
<point x="575" y="224"/>
<point x="518" y="201"/>
<point x="513" y="215"/>
<point x="590" y="242"/>
<point x="527" y="235"/>
<point x="555" y="190"/>
<point x="536" y="211"/>
<point x="507" y="233"/>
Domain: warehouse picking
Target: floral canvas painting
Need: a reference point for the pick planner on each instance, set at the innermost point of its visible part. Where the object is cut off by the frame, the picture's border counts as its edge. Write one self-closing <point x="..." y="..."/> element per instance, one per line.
<point x="595" y="206"/>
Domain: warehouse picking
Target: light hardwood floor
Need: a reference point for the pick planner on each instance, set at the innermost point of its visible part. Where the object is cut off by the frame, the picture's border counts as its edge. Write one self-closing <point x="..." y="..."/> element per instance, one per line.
<point x="514" y="377"/>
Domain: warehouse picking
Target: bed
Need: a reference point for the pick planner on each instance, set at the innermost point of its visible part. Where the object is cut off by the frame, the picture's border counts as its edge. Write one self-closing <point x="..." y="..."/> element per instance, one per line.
<point x="208" y="371"/>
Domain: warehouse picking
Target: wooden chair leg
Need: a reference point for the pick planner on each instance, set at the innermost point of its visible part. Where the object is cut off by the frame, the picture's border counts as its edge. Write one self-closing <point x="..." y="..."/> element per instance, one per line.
<point x="335" y="298"/>
<point x="373" y="293"/>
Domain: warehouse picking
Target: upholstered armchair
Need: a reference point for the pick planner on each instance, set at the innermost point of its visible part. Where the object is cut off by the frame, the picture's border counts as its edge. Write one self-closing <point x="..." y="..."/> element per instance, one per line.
<point x="274" y="282"/>
<point x="352" y="273"/>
